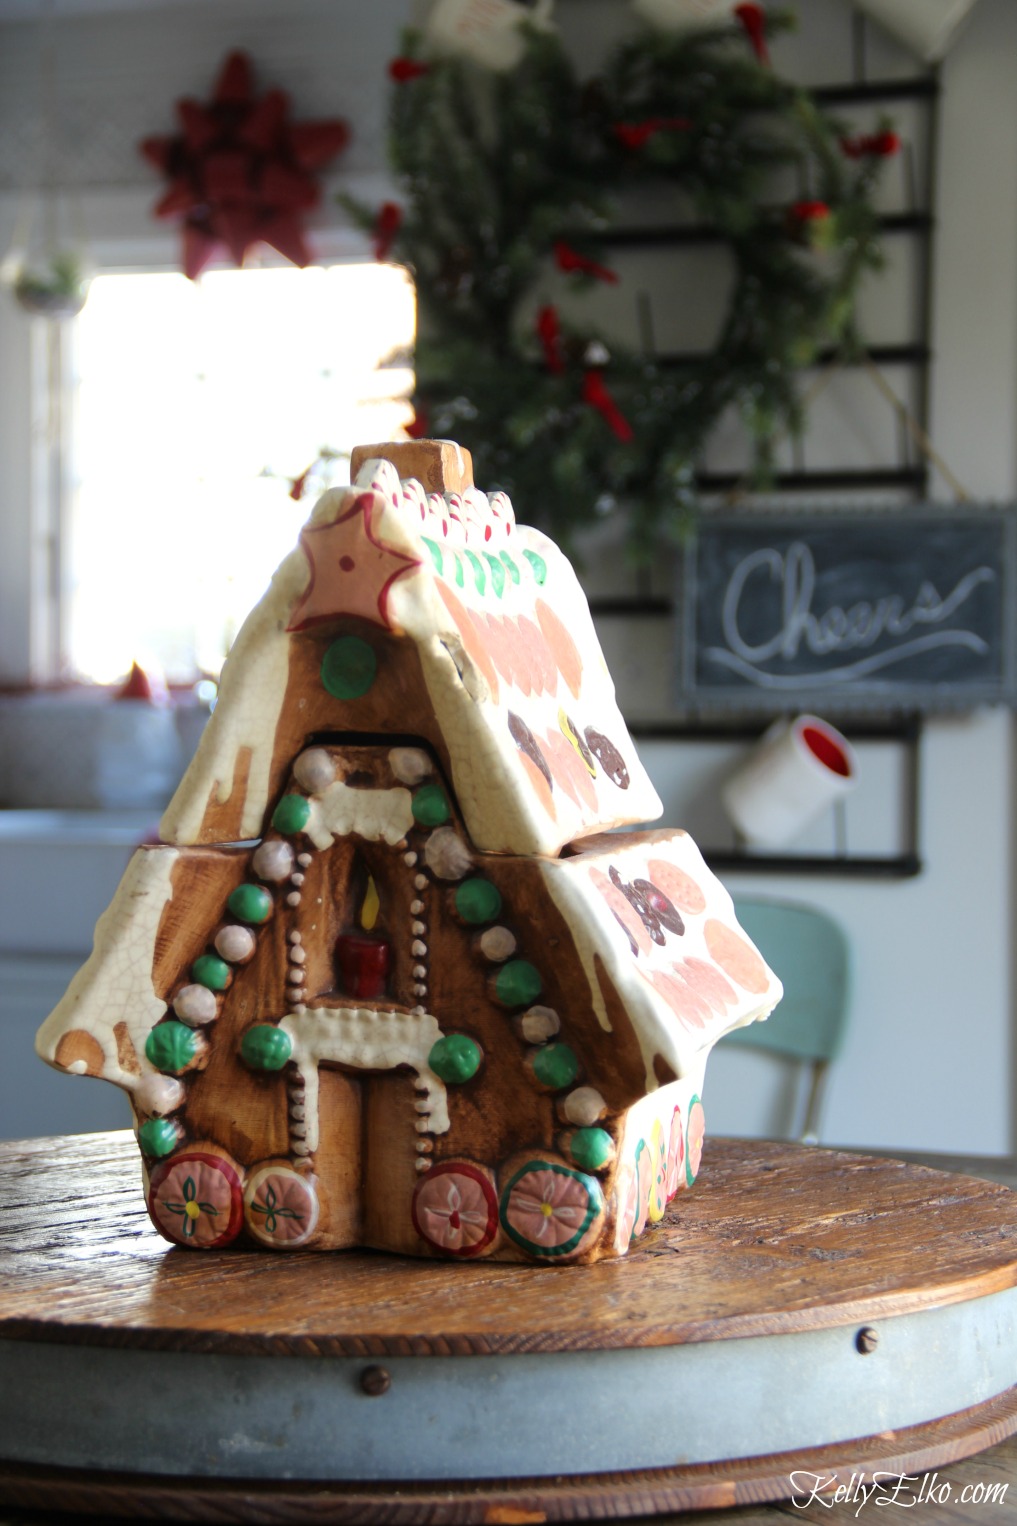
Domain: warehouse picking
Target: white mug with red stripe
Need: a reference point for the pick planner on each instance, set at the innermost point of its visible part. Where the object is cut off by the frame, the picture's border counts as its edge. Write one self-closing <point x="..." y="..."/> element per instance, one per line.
<point x="799" y="769"/>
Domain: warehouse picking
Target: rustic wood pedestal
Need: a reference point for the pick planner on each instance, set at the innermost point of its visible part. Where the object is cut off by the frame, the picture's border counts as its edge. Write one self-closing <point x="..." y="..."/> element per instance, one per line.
<point x="794" y="1300"/>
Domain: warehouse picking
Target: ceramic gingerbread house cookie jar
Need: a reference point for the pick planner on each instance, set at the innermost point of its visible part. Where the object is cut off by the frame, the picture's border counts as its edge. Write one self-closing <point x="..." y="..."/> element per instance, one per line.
<point x="393" y="979"/>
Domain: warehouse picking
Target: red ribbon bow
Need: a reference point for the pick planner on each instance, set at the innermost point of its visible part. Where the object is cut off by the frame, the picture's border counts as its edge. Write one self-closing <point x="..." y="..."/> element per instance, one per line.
<point x="403" y="70"/>
<point x="549" y="334"/>
<point x="808" y="211"/>
<point x="240" y="171"/>
<point x="595" y="394"/>
<point x="878" y="145"/>
<point x="753" y="20"/>
<point x="635" y="134"/>
<point x="572" y="262"/>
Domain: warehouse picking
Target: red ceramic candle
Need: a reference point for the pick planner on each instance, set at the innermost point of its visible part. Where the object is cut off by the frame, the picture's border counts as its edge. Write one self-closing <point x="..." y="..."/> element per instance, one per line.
<point x="364" y="962"/>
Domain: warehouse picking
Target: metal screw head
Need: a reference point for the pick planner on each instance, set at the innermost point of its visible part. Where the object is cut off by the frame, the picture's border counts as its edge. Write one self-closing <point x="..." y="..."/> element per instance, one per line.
<point x="375" y="1381"/>
<point x="866" y="1340"/>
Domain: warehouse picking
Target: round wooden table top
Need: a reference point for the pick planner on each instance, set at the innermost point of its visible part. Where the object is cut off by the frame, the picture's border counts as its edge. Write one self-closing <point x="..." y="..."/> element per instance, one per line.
<point x="774" y="1238"/>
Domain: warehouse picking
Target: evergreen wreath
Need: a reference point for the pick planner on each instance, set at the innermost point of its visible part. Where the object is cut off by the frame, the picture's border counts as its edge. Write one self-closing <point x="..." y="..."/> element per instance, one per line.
<point x="510" y="182"/>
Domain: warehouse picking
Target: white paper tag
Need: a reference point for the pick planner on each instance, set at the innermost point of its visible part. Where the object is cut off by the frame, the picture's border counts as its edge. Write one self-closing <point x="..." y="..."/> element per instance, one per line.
<point x="684" y="15"/>
<point x="488" y="31"/>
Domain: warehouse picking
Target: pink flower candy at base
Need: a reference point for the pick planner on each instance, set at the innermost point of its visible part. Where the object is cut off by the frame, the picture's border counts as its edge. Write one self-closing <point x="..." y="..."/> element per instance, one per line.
<point x="455" y="1209"/>
<point x="548" y="1208"/>
<point x="281" y="1206"/>
<point x="196" y="1200"/>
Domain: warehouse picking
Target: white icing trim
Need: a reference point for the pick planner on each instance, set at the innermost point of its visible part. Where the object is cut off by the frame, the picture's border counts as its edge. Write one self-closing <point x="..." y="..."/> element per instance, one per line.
<point x="114" y="985"/>
<point x="366" y="1038"/>
<point x="596" y="932"/>
<point x="376" y="815"/>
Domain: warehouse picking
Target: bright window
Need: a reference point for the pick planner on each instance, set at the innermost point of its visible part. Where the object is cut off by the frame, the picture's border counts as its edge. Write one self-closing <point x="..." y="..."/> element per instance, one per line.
<point x="196" y="406"/>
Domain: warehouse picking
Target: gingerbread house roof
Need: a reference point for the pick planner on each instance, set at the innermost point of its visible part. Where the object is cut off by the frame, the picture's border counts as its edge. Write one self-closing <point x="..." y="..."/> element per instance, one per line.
<point x="523" y="709"/>
<point x="661" y="947"/>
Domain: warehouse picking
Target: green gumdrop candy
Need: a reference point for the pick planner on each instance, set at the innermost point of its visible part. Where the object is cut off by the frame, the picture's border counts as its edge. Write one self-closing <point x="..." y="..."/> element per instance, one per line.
<point x="478" y="901"/>
<point x="265" y="1047"/>
<point x="291" y="815"/>
<point x="429" y="806"/>
<point x="349" y="668"/>
<point x="591" y="1148"/>
<point x="250" y="903"/>
<point x="555" y="1066"/>
<point x="455" y="1058"/>
<point x="158" y="1137"/>
<point x="171" y="1046"/>
<point x="517" y="983"/>
<point x="211" y="971"/>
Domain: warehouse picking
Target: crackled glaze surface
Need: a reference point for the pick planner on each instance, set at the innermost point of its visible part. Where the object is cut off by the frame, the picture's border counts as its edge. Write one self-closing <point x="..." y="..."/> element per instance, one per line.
<point x="364" y="998"/>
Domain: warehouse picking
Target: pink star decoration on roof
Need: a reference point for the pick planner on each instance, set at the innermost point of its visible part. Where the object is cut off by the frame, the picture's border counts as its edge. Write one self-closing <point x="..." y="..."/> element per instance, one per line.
<point x="240" y="172"/>
<point x="352" y="569"/>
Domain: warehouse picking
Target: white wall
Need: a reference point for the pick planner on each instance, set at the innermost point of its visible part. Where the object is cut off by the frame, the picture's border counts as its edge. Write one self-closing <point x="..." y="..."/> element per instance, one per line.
<point x="929" y="1062"/>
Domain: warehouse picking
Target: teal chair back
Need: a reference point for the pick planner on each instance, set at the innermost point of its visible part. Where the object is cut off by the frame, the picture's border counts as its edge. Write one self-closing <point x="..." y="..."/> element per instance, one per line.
<point x="809" y="953"/>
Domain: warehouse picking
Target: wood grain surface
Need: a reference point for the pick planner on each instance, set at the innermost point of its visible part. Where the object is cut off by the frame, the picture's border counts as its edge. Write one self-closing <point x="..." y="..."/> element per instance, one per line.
<point x="773" y="1238"/>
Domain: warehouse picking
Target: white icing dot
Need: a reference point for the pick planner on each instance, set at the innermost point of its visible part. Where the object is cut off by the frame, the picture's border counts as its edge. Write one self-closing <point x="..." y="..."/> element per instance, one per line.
<point x="418" y="1012"/>
<point x="293" y="899"/>
<point x="296" y="879"/>
<point x="195" y="1005"/>
<point x="424" y="1146"/>
<point x="298" y="1130"/>
<point x="420" y="972"/>
<point x="297" y="955"/>
<point x="419" y="990"/>
<point x="422" y="1125"/>
<point x="300" y="1147"/>
<point x="416" y="907"/>
<point x="410" y="764"/>
<point x="294" y="937"/>
<point x="298" y="1007"/>
<point x="314" y="770"/>
<point x="422" y="1163"/>
<point x="419" y="928"/>
<point x="273" y="860"/>
<point x="297" y="1112"/>
<point x="305" y="858"/>
<point x="497" y="943"/>
<point x="539" y="1023"/>
<point x="423" y="1106"/>
<point x="159" y="1094"/>
<point x="409" y="859"/>
<point x="77" y="1068"/>
<point x="295" y="977"/>
<point x="418" y="949"/>
<point x="584" y="1106"/>
<point x="235" y="943"/>
<point x="421" y="882"/>
<point x="446" y="855"/>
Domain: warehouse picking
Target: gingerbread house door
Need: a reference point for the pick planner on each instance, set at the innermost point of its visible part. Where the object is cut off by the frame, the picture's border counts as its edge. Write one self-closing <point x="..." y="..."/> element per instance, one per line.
<point x="359" y="1006"/>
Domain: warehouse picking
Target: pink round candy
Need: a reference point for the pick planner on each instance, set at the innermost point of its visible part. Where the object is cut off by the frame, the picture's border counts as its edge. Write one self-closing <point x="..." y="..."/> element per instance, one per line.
<point x="196" y="1200"/>
<point x="455" y="1209"/>
<point x="281" y="1206"/>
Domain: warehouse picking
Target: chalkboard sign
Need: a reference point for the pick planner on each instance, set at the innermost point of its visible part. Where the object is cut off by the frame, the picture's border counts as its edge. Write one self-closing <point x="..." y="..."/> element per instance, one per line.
<point x="848" y="609"/>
